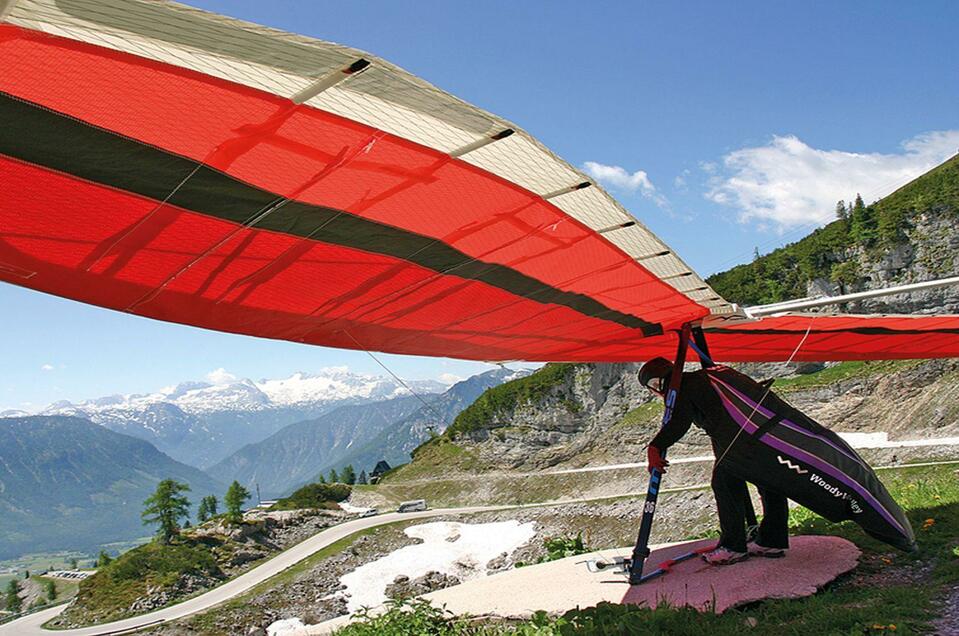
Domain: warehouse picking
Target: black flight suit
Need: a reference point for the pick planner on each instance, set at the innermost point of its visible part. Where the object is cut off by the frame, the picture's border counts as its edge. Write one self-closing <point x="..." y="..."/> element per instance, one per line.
<point x="699" y="403"/>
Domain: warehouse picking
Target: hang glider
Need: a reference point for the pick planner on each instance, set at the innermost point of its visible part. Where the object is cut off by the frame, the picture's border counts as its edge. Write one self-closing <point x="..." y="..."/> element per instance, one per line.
<point x="183" y="166"/>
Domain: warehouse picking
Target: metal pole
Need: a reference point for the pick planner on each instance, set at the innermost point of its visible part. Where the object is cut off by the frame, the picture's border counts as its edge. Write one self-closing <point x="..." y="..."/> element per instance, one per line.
<point x="705" y="361"/>
<point x="791" y="305"/>
<point x="641" y="550"/>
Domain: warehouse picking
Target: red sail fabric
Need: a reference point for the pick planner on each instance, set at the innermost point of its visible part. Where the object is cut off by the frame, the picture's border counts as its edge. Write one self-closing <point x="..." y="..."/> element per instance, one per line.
<point x="817" y="337"/>
<point x="95" y="238"/>
<point x="154" y="189"/>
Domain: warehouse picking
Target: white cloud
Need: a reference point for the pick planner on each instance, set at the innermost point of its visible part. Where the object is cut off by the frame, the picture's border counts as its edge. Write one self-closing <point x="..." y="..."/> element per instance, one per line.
<point x="617" y="178"/>
<point x="47" y="367"/>
<point x="787" y="183"/>
<point x="220" y="377"/>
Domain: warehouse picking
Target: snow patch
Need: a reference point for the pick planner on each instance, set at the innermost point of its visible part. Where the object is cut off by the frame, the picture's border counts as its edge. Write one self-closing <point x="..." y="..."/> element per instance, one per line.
<point x="286" y="627"/>
<point x="352" y="509"/>
<point x="459" y="549"/>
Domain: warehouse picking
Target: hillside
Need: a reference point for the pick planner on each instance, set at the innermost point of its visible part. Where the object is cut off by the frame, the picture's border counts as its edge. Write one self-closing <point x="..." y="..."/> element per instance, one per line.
<point x="397" y="442"/>
<point x="536" y="451"/>
<point x="910" y="235"/>
<point x="299" y="452"/>
<point x="359" y="435"/>
<point x="67" y="483"/>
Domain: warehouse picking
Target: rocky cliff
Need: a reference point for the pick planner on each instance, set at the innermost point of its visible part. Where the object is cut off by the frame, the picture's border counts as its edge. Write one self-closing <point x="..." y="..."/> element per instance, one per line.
<point x="927" y="251"/>
<point x="598" y="414"/>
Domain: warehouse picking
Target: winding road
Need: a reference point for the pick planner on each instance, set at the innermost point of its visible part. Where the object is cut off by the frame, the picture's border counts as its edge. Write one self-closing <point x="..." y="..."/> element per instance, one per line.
<point x="32" y="624"/>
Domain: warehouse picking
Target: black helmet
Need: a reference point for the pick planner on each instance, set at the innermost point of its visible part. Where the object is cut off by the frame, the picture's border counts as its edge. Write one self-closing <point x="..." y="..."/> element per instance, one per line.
<point x="655" y="368"/>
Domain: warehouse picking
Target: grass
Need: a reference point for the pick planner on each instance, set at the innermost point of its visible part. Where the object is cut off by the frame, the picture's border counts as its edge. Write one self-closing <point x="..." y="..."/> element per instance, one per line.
<point x="843" y="371"/>
<point x="890" y="591"/>
<point x="440" y="452"/>
<point x="323" y="496"/>
<point x="108" y="594"/>
<point x="643" y="414"/>
<point x="65" y="588"/>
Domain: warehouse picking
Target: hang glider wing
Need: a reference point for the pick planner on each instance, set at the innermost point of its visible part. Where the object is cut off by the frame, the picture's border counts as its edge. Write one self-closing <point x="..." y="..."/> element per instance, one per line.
<point x="184" y="166"/>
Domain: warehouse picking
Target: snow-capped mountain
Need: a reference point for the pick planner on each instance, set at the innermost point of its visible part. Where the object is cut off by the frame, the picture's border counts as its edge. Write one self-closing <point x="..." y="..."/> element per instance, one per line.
<point x="201" y="422"/>
<point x="333" y="384"/>
<point x="359" y="434"/>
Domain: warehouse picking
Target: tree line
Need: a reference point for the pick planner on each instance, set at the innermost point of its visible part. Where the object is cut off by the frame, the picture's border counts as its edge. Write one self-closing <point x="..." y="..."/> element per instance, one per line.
<point x="347" y="475"/>
<point x="168" y="505"/>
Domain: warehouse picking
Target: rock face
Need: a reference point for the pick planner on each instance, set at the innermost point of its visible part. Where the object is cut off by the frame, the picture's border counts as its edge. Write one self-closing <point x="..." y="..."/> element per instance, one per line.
<point x="599" y="414"/>
<point x="539" y="434"/>
<point x="403" y="587"/>
<point x="928" y="252"/>
<point x="581" y="417"/>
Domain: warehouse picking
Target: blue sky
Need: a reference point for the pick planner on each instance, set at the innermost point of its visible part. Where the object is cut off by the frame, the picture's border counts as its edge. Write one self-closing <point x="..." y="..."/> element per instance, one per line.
<point x="722" y="127"/>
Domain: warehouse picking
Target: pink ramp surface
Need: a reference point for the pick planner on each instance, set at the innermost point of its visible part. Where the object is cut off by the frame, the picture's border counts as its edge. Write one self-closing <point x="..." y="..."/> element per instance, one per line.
<point x="810" y="563"/>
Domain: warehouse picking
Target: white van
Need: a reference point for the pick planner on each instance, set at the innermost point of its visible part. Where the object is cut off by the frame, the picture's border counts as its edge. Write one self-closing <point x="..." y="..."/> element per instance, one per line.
<point x="412" y="506"/>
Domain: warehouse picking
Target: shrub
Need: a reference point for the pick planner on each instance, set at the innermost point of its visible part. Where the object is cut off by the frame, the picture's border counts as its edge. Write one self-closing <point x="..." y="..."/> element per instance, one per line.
<point x="314" y="496"/>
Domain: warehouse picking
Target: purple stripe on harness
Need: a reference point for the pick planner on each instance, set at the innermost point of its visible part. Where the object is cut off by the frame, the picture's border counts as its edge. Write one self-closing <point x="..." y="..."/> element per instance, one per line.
<point x="812" y="460"/>
<point x="787" y="423"/>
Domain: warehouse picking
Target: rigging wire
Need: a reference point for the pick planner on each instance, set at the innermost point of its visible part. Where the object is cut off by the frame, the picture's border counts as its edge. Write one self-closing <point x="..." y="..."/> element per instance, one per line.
<point x="395" y="377"/>
<point x="769" y="389"/>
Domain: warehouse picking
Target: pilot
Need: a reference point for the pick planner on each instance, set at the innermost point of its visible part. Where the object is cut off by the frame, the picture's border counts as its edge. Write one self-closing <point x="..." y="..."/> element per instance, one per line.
<point x="698" y="403"/>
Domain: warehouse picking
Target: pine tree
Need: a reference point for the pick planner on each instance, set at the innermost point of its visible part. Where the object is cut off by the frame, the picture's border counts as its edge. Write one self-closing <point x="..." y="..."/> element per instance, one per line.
<point x="103" y="559"/>
<point x="333" y="478"/>
<point x="51" y="588"/>
<point x="73" y="563"/>
<point x="841" y="212"/>
<point x="349" y="475"/>
<point x="207" y="508"/>
<point x="14" y="602"/>
<point x="165" y="507"/>
<point x="862" y="223"/>
<point x="363" y="479"/>
<point x="236" y="496"/>
<point x="321" y="480"/>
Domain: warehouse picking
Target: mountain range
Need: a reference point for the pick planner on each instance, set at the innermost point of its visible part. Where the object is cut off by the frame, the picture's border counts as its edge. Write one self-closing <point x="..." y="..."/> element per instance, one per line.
<point x="357" y="434"/>
<point x="67" y="483"/>
<point x="201" y="423"/>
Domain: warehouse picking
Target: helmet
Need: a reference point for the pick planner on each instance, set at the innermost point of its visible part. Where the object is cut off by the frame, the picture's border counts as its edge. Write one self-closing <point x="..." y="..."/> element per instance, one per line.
<point x="655" y="368"/>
